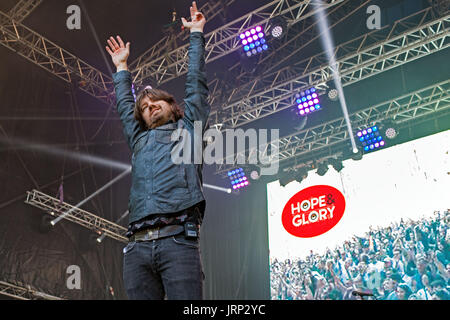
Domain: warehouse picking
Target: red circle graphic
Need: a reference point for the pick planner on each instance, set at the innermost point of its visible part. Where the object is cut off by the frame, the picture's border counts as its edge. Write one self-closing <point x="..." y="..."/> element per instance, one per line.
<point x="313" y="211"/>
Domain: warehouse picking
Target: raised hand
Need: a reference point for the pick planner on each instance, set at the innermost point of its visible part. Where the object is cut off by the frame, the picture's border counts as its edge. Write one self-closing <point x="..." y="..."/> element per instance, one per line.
<point x="119" y="52"/>
<point x="197" y="19"/>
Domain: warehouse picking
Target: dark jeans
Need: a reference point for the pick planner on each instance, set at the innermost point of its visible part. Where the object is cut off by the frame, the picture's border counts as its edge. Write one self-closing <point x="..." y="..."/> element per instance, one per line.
<point x="168" y="266"/>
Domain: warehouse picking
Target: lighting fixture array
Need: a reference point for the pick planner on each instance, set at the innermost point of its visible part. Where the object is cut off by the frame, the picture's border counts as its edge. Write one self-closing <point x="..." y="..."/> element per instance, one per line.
<point x="238" y="178"/>
<point x="371" y="139"/>
<point x="307" y="102"/>
<point x="253" y="41"/>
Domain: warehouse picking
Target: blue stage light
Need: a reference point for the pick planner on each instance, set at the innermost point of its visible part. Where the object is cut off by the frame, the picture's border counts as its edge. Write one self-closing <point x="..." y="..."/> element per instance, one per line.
<point x="310" y="101"/>
<point x="253" y="41"/>
<point x="370" y="139"/>
<point x="237" y="178"/>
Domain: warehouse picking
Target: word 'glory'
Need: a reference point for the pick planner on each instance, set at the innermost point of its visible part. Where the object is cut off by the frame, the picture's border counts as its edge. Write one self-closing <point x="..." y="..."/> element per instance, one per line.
<point x="318" y="212"/>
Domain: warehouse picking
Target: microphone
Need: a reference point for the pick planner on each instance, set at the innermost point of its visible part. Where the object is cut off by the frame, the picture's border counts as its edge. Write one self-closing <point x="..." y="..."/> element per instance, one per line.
<point x="362" y="294"/>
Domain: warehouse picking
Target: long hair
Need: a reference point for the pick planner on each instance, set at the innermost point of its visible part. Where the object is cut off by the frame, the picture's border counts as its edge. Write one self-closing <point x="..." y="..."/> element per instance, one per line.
<point x="155" y="95"/>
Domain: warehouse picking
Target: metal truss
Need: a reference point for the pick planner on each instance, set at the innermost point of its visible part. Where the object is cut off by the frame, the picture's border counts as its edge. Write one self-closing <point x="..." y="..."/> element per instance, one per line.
<point x="408" y="39"/>
<point x="210" y="10"/>
<point x="55" y="208"/>
<point x="23" y="292"/>
<point x="23" y="8"/>
<point x="294" y="40"/>
<point x="401" y="109"/>
<point x="224" y="40"/>
<point x="51" y="57"/>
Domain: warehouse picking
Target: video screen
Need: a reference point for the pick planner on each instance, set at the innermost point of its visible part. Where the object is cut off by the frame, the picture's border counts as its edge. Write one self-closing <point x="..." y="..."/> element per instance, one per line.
<point x="391" y="240"/>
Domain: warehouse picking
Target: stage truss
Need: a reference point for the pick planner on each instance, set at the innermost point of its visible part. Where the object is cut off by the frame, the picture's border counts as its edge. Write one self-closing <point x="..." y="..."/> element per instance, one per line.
<point x="410" y="38"/>
<point x="405" y="108"/>
<point x="24" y="292"/>
<point x="56" y="208"/>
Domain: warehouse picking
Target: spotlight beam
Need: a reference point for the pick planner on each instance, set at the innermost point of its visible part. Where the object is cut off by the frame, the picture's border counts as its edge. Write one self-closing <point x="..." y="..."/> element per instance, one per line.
<point x="64" y="153"/>
<point x="328" y="45"/>
<point x="62" y="216"/>
<point x="227" y="190"/>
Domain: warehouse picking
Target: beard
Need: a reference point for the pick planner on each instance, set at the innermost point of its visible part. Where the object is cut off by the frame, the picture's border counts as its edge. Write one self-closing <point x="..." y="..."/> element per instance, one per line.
<point x="158" y="120"/>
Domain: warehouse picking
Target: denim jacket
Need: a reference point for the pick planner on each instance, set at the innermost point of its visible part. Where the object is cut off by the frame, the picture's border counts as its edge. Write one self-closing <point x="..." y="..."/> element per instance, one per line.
<point x="159" y="186"/>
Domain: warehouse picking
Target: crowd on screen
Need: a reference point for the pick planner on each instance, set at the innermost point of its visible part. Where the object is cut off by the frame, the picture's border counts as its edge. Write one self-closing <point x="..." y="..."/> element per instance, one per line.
<point x="409" y="260"/>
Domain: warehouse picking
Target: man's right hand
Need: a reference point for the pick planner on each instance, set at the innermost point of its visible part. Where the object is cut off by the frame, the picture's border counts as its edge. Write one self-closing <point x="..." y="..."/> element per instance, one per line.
<point x="119" y="52"/>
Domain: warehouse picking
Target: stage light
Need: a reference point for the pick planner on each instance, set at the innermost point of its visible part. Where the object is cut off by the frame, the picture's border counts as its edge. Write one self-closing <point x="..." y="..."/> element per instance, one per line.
<point x="301" y="174"/>
<point x="333" y="95"/>
<point x="336" y="164"/>
<point x="390" y="129"/>
<point x="277" y="31"/>
<point x="253" y="41"/>
<point x="285" y="179"/>
<point x="370" y="139"/>
<point x="390" y="133"/>
<point x="255" y="171"/>
<point x="307" y="101"/>
<point x="357" y="154"/>
<point x="322" y="169"/>
<point x="277" y="27"/>
<point x="238" y="178"/>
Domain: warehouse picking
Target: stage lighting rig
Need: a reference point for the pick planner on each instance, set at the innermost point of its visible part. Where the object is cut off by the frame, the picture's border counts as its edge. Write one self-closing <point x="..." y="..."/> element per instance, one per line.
<point x="336" y="164"/>
<point x="371" y="138"/>
<point x="277" y="27"/>
<point x="301" y="174"/>
<point x="322" y="168"/>
<point x="255" y="171"/>
<point x="238" y="178"/>
<point x="333" y="95"/>
<point x="286" y="178"/>
<point x="253" y="41"/>
<point x="390" y="129"/>
<point x="307" y="101"/>
<point x="357" y="155"/>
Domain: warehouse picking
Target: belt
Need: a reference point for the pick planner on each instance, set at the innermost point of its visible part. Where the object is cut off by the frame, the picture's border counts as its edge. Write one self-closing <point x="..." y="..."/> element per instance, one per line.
<point x="156" y="233"/>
